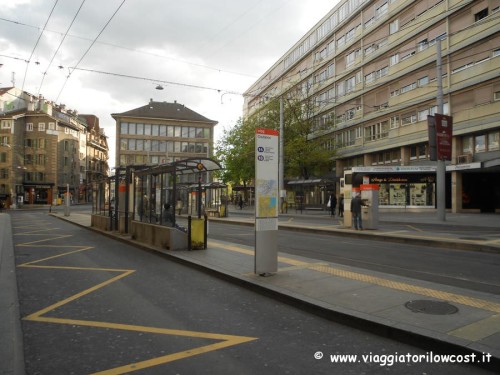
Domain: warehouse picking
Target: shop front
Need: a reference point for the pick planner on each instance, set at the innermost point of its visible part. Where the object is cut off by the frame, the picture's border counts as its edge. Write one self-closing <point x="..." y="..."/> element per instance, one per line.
<point x="400" y="186"/>
<point x="36" y="194"/>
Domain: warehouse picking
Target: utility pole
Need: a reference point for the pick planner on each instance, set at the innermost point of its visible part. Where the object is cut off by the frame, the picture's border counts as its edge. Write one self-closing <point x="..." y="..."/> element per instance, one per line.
<point x="441" y="167"/>
<point x="281" y="170"/>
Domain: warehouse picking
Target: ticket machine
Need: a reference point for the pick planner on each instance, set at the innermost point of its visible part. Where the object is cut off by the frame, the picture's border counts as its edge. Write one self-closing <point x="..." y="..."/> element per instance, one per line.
<point x="369" y="197"/>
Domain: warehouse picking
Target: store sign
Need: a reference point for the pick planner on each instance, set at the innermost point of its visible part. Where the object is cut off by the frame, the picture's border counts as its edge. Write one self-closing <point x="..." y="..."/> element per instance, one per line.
<point x="394" y="169"/>
<point x="444" y="130"/>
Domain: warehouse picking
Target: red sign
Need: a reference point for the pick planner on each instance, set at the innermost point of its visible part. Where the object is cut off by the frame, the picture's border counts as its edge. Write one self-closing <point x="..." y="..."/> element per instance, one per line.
<point x="444" y="129"/>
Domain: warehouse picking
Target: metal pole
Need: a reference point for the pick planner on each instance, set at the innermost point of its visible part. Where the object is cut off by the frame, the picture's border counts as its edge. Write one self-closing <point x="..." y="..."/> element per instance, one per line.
<point x="281" y="170"/>
<point x="441" y="167"/>
<point x="66" y="208"/>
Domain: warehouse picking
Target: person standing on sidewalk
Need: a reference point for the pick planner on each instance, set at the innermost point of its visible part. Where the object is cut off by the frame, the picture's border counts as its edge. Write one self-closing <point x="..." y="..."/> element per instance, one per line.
<point x="356" y="204"/>
<point x="333" y="204"/>
<point x="341" y="205"/>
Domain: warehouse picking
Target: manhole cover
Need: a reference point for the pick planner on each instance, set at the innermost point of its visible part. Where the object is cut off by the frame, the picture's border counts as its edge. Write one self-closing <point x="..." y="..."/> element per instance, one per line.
<point x="431" y="307"/>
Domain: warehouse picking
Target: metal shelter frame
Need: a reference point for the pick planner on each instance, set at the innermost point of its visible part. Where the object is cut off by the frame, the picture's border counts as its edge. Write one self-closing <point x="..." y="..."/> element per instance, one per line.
<point x="112" y="195"/>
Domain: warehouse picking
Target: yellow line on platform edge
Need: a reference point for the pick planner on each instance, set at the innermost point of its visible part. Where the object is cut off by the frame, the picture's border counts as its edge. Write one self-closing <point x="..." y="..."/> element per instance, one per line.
<point x="387" y="283"/>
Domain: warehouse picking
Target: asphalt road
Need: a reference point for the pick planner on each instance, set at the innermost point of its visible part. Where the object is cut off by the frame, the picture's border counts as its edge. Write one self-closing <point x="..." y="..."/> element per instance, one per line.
<point x="91" y="304"/>
<point x="469" y="270"/>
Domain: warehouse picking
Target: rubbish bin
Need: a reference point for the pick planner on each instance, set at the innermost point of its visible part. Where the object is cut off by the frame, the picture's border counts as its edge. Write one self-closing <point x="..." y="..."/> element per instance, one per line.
<point x="369" y="197"/>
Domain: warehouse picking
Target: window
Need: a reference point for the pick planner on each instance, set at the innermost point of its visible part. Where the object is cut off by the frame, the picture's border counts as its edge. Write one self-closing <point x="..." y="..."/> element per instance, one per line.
<point x="423" y="81"/>
<point x="467" y="145"/>
<point x="394" y="122"/>
<point x="394" y="59"/>
<point x="41" y="126"/>
<point x="147" y="129"/>
<point x="494" y="141"/>
<point x="131" y="144"/>
<point x="480" y="143"/>
<point x="394" y="27"/>
<point x="139" y="129"/>
<point x="6" y="124"/>
<point x="423" y="44"/>
<point x="351" y="57"/>
<point x="3" y="157"/>
<point x="409" y="87"/>
<point x="123" y="145"/>
<point x="376" y="131"/>
<point x="409" y="118"/>
<point x="52" y="126"/>
<point x="29" y="127"/>
<point x="480" y="15"/>
<point x="131" y="128"/>
<point x="381" y="10"/>
<point x="4" y="140"/>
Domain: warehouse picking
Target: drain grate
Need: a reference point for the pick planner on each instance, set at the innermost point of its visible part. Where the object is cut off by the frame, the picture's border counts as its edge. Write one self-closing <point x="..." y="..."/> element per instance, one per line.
<point x="431" y="307"/>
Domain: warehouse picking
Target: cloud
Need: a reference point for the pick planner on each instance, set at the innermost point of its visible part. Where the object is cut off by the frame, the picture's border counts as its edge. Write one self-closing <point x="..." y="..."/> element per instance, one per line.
<point x="222" y="45"/>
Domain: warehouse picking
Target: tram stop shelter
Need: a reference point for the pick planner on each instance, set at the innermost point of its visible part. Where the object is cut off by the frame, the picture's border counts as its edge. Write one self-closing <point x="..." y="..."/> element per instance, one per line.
<point x="142" y="201"/>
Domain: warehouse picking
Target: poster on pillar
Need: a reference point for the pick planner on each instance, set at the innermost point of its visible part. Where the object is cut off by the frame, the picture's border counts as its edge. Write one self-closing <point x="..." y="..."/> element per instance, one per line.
<point x="266" y="201"/>
<point x="444" y="132"/>
<point x="266" y="173"/>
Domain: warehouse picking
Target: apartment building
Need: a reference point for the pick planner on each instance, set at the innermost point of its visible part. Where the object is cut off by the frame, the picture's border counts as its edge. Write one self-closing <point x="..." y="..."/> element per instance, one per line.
<point x="96" y="150"/>
<point x="160" y="133"/>
<point x="43" y="150"/>
<point x="369" y="70"/>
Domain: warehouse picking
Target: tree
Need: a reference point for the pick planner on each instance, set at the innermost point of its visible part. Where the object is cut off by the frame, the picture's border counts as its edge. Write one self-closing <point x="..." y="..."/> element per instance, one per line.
<point x="236" y="151"/>
<point x="304" y="155"/>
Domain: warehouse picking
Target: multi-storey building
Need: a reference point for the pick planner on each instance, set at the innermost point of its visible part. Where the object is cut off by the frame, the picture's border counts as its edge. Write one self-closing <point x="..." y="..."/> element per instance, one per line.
<point x="369" y="69"/>
<point x="43" y="150"/>
<point x="160" y="133"/>
<point x="96" y="153"/>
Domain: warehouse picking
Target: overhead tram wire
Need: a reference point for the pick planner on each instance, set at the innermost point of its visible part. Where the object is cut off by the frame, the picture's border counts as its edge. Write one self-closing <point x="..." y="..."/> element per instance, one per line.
<point x="156" y="81"/>
<point x="60" y="44"/>
<point x="36" y="44"/>
<point x="139" y="51"/>
<point x="88" y="49"/>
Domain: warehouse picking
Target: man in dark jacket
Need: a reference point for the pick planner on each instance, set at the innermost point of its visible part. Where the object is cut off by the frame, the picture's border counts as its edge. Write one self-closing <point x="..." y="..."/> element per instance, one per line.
<point x="356" y="204"/>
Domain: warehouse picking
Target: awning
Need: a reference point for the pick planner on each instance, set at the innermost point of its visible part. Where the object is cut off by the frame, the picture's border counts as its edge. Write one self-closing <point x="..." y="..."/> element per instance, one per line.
<point x="186" y="166"/>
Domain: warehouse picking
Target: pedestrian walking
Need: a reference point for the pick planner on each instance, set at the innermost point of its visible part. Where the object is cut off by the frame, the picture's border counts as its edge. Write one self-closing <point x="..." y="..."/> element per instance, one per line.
<point x="356" y="204"/>
<point x="240" y="202"/>
<point x="341" y="205"/>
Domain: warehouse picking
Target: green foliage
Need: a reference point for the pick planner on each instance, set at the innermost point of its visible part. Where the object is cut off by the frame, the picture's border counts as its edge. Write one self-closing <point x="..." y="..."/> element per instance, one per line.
<point x="304" y="155"/>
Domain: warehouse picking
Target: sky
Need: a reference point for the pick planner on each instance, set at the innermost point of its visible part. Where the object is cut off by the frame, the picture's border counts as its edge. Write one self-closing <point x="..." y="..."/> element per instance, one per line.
<point x="101" y="57"/>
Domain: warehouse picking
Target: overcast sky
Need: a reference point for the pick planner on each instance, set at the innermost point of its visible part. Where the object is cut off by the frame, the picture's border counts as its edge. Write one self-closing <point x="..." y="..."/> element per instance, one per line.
<point x="221" y="45"/>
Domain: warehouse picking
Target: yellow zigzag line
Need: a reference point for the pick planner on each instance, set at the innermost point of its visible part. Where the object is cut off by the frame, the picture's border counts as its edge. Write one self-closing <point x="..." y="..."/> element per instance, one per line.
<point x="224" y="340"/>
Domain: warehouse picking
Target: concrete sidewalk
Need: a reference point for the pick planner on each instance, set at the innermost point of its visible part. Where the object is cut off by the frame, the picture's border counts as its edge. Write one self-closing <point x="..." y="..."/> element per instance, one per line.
<point x="437" y="317"/>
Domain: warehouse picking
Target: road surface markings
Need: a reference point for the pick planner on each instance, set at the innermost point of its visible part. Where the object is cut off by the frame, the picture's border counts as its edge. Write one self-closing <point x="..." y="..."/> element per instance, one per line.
<point x="223" y="341"/>
<point x="478" y="330"/>
<point x="387" y="283"/>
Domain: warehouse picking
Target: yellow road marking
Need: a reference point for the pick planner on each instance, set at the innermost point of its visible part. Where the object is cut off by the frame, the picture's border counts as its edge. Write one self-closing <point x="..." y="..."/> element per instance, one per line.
<point x="478" y="330"/>
<point x="225" y="340"/>
<point x="387" y="283"/>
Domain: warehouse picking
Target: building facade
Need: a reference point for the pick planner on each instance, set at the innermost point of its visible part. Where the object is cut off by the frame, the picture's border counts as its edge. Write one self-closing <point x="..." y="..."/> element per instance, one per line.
<point x="160" y="133"/>
<point x="43" y="150"/>
<point x="369" y="70"/>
